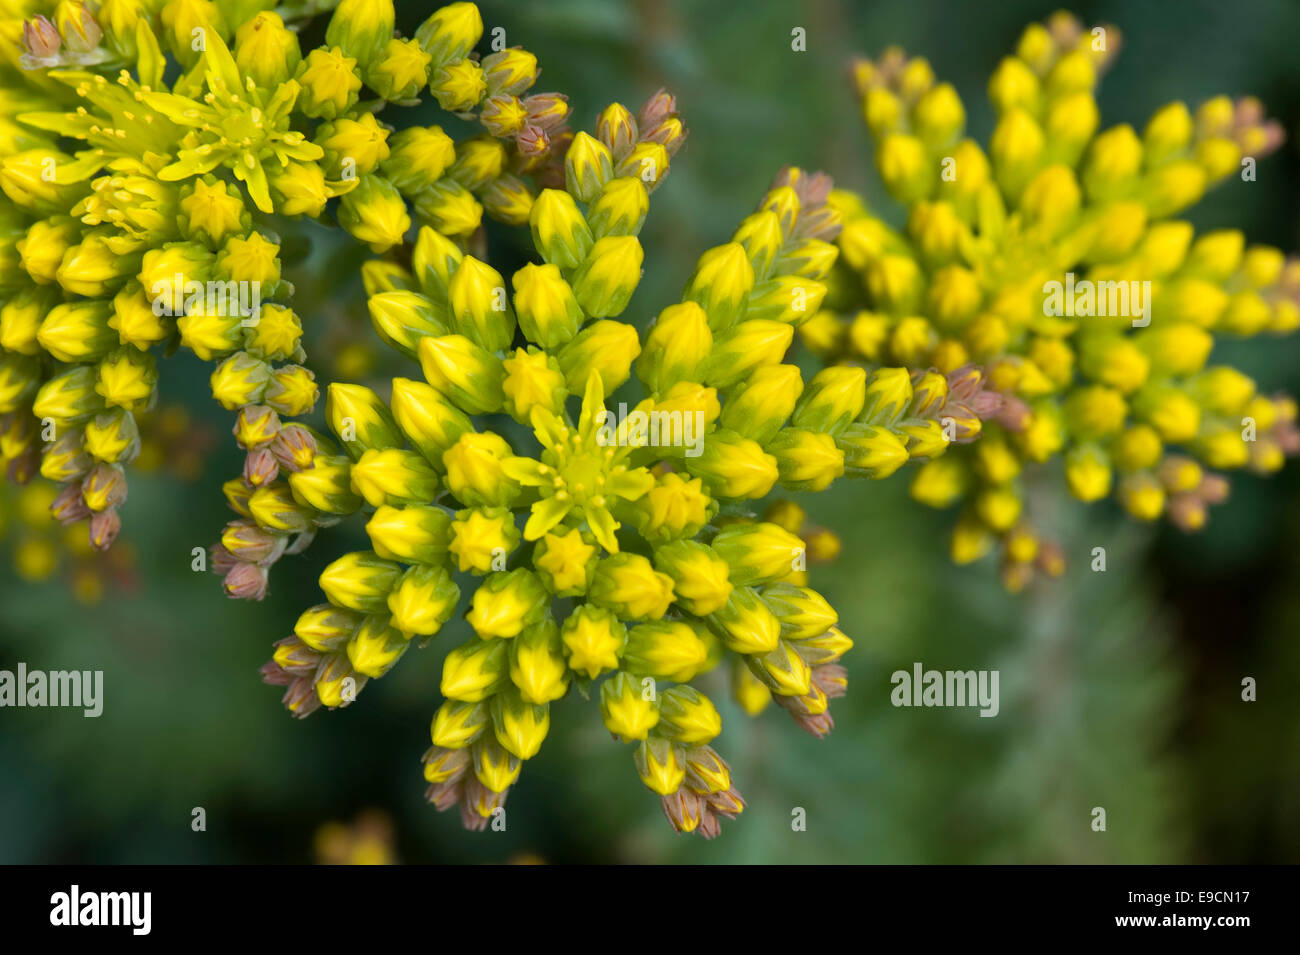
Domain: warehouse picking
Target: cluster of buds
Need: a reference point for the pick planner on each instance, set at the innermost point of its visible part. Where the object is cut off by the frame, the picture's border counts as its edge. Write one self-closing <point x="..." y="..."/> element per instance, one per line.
<point x="197" y="122"/>
<point x="620" y="554"/>
<point x="1054" y="260"/>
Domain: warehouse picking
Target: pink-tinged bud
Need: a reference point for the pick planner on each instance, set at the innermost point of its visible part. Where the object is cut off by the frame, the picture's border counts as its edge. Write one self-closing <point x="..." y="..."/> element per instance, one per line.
<point x="547" y="111"/>
<point x="295" y="657"/>
<point x="275" y="675"/>
<point x="301" y="699"/>
<point x="710" y="827"/>
<point x="1214" y="488"/>
<point x="670" y="134"/>
<point x="103" y="529"/>
<point x="260" y="467"/>
<point x="294" y="448"/>
<point x="683" y="809"/>
<point x="832" y="679"/>
<point x="245" y="541"/>
<point x="246" y="582"/>
<point x="222" y="559"/>
<point x="656" y="109"/>
<point x="532" y="141"/>
<point x="445" y="794"/>
<point x="70" y="507"/>
<point x="728" y="803"/>
<point x="478" y="804"/>
<point x="1013" y="415"/>
<point x="40" y="38"/>
<point x="104" y="487"/>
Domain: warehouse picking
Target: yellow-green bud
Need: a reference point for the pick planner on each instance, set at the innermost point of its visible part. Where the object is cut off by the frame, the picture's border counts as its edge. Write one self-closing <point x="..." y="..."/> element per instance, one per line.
<point x="467" y="374"/>
<point x="661" y="765"/>
<point x="593" y="639"/>
<point x="803" y="613"/>
<point x="375" y="213"/>
<point x="665" y="650"/>
<point x="808" y="460"/>
<point x="326" y="628"/>
<point x="607" y="277"/>
<point x="588" y="165"/>
<point x="266" y="50"/>
<point x="475" y="670"/>
<point x="560" y="233"/>
<point x="606" y="348"/>
<point x="376" y="647"/>
<point x="871" y="452"/>
<point x="721" y="284"/>
<point x="360" y="419"/>
<point x="506" y="603"/>
<point x="628" y="710"/>
<point x="70" y="397"/>
<point x="675" y="348"/>
<point x="758" y="552"/>
<point x="457" y="725"/>
<point x="733" y="466"/>
<point x="330" y="83"/>
<point x="475" y="475"/>
<point x="423" y="600"/>
<point x="701" y="577"/>
<point x="358" y="581"/>
<point x="629" y="585"/>
<point x="761" y="404"/>
<point x="479" y="307"/>
<point x="537" y="666"/>
<point x="688" y="717"/>
<point x="520" y="726"/>
<point x="451" y="32"/>
<point x="427" y="419"/>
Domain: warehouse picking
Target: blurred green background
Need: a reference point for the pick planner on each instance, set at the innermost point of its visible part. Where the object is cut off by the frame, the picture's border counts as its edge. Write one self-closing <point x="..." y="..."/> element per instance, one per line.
<point x="1118" y="689"/>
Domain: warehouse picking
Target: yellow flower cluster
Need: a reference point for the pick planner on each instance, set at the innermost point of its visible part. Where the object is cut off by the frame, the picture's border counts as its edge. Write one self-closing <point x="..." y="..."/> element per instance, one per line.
<point x="196" y="121"/>
<point x="1054" y="258"/>
<point x="612" y="552"/>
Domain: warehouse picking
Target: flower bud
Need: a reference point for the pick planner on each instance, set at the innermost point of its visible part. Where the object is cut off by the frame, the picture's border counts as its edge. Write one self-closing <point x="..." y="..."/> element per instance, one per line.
<point x="688" y="717"/>
<point x="423" y="600"/>
<point x="593" y="638"/>
<point x="360" y="581"/>
<point x="412" y="534"/>
<point x="464" y="372"/>
<point x="537" y="666"/>
<point x="560" y="233"/>
<point x="376" y="647"/>
<point x="606" y="348"/>
<point x="607" y="277"/>
<point x="733" y="466"/>
<point x="625" y="709"/>
<point x="474" y="671"/>
<point x="506" y="603"/>
<point x="588" y="165"/>
<point x="665" y="650"/>
<point x="761" y="404"/>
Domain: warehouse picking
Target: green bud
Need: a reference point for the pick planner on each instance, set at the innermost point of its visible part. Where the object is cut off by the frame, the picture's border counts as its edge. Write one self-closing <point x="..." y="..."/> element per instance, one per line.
<point x="360" y="581"/>
<point x="560" y="234"/>
<point x="427" y="419"/>
<point x="402" y="318"/>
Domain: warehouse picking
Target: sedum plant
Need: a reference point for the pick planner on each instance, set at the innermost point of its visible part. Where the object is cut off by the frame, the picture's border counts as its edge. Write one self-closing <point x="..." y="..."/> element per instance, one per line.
<point x="152" y="153"/>
<point x="1056" y="258"/>
<point x="599" y="553"/>
<point x="155" y="158"/>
